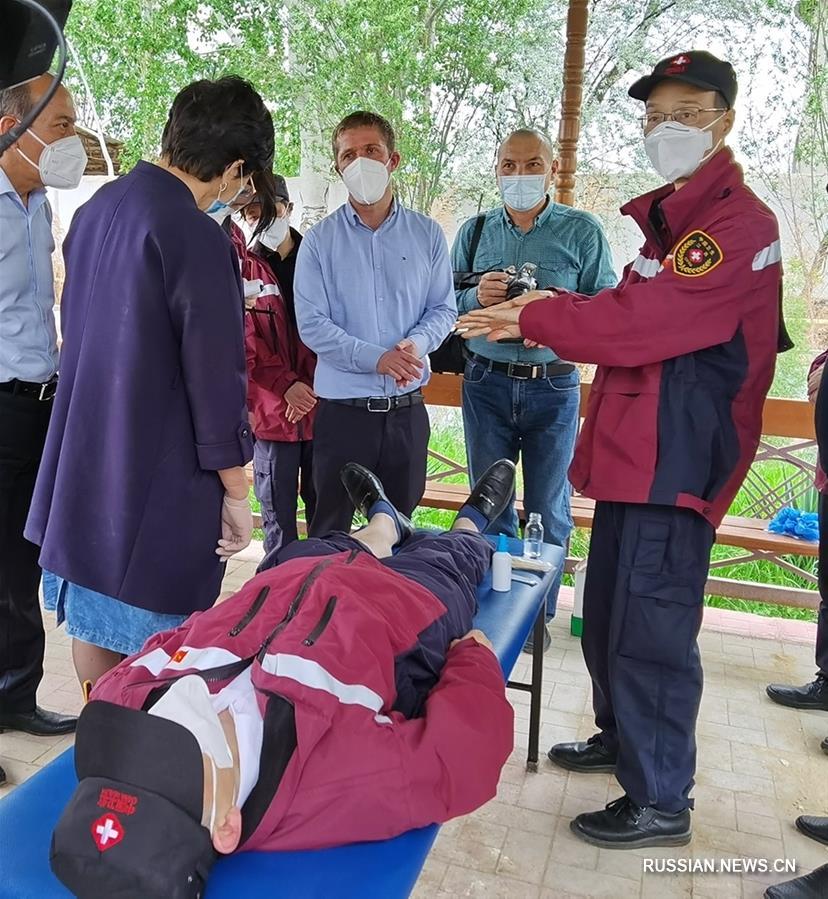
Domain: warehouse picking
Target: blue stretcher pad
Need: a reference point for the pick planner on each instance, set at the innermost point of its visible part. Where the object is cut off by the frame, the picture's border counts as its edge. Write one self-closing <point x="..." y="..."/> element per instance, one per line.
<point x="382" y="870"/>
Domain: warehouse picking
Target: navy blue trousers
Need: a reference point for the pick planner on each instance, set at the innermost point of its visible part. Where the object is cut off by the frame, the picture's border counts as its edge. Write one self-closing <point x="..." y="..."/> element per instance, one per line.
<point x="450" y="565"/>
<point x="643" y="603"/>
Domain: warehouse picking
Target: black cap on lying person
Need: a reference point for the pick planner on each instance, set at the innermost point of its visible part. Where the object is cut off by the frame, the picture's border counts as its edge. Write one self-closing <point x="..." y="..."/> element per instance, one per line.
<point x="133" y="827"/>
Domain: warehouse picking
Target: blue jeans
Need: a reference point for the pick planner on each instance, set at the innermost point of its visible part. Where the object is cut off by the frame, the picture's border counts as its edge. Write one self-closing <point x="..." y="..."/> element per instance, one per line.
<point x="537" y="420"/>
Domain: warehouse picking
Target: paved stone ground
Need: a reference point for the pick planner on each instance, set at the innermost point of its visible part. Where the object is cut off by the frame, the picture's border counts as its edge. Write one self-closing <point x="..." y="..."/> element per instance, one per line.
<point x="759" y="767"/>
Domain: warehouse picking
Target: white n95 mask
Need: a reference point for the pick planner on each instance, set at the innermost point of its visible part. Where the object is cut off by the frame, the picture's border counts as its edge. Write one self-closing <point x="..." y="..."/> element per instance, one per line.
<point x="275" y="234"/>
<point x="366" y="180"/>
<point x="62" y="162"/>
<point x="189" y="704"/>
<point x="676" y="150"/>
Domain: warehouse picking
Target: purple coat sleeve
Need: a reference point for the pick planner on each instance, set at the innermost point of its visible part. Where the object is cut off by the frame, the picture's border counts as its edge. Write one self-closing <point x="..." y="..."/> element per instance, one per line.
<point x="206" y="308"/>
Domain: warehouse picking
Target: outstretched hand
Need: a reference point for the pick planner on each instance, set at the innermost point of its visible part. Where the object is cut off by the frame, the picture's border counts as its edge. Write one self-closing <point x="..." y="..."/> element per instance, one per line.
<point x="500" y="321"/>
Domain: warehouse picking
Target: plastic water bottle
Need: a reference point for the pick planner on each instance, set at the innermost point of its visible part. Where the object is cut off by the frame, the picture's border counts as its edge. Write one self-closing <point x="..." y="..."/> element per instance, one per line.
<point x="533" y="536"/>
<point x="502" y="566"/>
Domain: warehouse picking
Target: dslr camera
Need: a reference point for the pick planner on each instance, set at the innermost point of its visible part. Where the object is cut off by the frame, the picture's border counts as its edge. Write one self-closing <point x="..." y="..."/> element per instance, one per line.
<point x="521" y="281"/>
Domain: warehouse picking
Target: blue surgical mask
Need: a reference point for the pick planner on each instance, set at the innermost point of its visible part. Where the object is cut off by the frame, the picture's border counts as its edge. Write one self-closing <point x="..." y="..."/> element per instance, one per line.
<point x="218" y="210"/>
<point x="522" y="192"/>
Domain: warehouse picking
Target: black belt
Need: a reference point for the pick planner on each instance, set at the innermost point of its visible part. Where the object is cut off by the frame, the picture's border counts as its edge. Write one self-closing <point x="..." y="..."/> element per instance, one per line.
<point x="32" y="389"/>
<point x="524" y="371"/>
<point x="384" y="403"/>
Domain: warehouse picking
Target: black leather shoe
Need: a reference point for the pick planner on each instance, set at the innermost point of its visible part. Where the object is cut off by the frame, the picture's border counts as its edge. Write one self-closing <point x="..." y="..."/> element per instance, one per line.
<point x="590" y="757"/>
<point x="364" y="489"/>
<point x="39" y="723"/>
<point x="809" y="696"/>
<point x="2" y="777"/>
<point x="824" y="745"/>
<point x="493" y="490"/>
<point x="815" y="828"/>
<point x="625" y="825"/>
<point x="529" y="645"/>
<point x="811" y="886"/>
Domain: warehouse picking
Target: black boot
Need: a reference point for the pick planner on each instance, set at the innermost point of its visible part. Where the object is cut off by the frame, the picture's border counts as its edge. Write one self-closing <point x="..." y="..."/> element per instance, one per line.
<point x="625" y="825"/>
<point x="493" y="491"/>
<point x="811" y="886"/>
<point x="815" y="828"/>
<point x="590" y="757"/>
<point x="809" y="696"/>
<point x="364" y="489"/>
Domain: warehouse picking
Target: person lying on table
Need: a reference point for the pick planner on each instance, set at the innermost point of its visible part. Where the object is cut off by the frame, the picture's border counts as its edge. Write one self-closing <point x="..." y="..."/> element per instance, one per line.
<point x="340" y="697"/>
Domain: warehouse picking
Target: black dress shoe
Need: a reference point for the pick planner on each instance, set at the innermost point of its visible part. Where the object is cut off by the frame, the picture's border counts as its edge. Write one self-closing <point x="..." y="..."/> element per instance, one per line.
<point x="494" y="490"/>
<point x="529" y="645"/>
<point x="811" y="886"/>
<point x="824" y="745"/>
<point x="2" y="777"/>
<point x="625" y="825"/>
<point x="364" y="489"/>
<point x="809" y="696"/>
<point x="40" y="723"/>
<point x="591" y="756"/>
<point x="815" y="828"/>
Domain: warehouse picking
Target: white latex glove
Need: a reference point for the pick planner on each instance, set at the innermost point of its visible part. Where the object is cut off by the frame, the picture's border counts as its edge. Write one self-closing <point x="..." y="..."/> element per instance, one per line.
<point x="236" y="526"/>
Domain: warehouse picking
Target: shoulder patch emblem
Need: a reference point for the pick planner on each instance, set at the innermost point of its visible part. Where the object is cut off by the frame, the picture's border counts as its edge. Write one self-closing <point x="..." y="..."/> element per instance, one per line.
<point x="696" y="255"/>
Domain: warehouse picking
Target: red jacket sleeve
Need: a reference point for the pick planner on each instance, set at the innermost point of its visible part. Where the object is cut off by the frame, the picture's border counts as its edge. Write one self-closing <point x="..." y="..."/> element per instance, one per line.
<point x="645" y="322"/>
<point x="818" y="362"/>
<point x="453" y="755"/>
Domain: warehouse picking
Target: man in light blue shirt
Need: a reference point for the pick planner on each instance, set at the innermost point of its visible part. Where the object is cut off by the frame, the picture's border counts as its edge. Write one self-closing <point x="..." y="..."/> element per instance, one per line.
<point x="520" y="401"/>
<point x="374" y="295"/>
<point x="28" y="367"/>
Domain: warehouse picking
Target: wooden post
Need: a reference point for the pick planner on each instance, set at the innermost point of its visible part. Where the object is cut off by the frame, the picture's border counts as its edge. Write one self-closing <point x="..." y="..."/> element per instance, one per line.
<point x="573" y="80"/>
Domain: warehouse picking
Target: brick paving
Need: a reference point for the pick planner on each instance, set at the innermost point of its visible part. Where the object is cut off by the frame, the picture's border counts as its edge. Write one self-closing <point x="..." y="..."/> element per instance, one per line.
<point x="759" y="767"/>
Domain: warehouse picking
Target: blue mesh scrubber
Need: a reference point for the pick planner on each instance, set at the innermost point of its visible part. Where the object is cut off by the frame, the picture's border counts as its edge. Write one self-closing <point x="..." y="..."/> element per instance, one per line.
<point x="795" y="523"/>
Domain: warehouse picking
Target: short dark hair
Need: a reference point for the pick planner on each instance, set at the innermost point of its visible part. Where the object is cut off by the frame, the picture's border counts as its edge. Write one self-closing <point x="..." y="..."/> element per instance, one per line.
<point x="16" y="101"/>
<point x="363" y="119"/>
<point x="214" y="123"/>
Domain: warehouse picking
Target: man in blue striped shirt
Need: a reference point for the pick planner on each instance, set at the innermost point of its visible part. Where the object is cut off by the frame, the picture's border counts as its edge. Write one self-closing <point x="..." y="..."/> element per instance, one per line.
<point x="374" y="295"/>
<point x="520" y="401"/>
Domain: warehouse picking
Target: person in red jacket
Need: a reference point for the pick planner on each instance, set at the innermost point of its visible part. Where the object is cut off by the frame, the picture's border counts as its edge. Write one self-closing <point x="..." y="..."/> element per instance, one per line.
<point x="814" y="695"/>
<point x="685" y="348"/>
<point x="339" y="697"/>
<point x="280" y="394"/>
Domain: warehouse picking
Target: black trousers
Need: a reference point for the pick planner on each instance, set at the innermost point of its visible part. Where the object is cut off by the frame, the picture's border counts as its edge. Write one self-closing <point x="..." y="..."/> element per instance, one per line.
<point x="281" y="472"/>
<point x="393" y="445"/>
<point x="449" y="565"/>
<point x="23" y="425"/>
<point x="643" y="604"/>
<point x="822" y="620"/>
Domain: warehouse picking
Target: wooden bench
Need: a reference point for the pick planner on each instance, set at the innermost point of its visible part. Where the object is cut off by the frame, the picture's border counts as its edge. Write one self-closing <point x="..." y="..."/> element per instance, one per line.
<point x="789" y="419"/>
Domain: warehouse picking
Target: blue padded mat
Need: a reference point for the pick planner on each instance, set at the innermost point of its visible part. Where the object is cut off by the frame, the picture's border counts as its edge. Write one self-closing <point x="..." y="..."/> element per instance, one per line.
<point x="383" y="870"/>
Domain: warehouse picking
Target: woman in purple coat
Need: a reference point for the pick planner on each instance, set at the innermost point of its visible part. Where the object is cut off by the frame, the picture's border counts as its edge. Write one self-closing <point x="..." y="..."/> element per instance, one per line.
<point x="142" y="495"/>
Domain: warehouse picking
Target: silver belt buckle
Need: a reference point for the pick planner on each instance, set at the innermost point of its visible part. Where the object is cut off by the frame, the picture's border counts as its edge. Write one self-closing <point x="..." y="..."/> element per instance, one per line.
<point x="511" y="371"/>
<point x="41" y="397"/>
<point x="379" y="399"/>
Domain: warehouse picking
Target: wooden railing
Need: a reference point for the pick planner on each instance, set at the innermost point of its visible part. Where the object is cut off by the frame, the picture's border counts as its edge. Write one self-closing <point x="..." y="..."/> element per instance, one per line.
<point x="781" y="475"/>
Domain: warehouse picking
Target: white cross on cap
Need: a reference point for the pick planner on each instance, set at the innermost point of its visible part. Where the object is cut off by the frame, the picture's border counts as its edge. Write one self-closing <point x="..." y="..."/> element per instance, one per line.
<point x="681" y="60"/>
<point x="107" y="831"/>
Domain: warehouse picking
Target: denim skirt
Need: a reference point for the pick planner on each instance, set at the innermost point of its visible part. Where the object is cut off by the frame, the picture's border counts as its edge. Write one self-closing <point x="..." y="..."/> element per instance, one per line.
<point x="102" y="620"/>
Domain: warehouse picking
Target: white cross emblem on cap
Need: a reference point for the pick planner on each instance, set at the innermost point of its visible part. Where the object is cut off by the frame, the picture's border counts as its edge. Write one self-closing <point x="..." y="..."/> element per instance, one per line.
<point x="107" y="831"/>
<point x="681" y="60"/>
